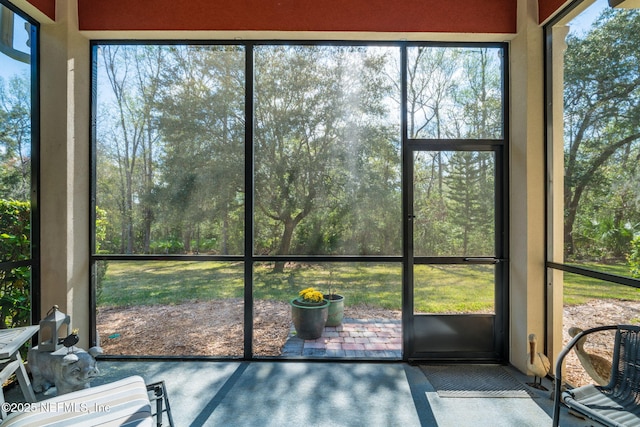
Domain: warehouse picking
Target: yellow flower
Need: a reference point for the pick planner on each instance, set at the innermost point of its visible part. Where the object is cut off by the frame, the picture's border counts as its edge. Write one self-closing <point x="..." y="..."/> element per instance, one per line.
<point x="311" y="295"/>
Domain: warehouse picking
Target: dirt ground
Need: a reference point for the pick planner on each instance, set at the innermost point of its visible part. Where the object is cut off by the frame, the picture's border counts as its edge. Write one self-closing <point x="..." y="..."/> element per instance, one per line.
<point x="215" y="328"/>
<point x="209" y="328"/>
<point x="589" y="315"/>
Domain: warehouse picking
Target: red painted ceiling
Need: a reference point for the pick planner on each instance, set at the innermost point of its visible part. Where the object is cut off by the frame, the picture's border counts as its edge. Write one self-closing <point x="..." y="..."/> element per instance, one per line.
<point x="48" y="7"/>
<point x="490" y="16"/>
<point x="462" y="16"/>
<point x="546" y="8"/>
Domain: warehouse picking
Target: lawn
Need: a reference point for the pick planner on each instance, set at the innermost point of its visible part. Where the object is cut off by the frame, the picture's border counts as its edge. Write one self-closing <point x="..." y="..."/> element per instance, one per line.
<point x="579" y="289"/>
<point x="437" y="289"/>
<point x="172" y="282"/>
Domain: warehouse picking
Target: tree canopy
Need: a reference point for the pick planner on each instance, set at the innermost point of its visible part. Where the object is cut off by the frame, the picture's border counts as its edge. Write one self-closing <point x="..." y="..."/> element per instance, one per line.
<point x="602" y="132"/>
<point x="325" y="139"/>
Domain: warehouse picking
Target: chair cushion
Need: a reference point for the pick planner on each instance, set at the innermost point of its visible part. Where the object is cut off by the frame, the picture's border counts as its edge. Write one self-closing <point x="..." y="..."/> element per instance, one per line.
<point x="591" y="401"/>
<point x="120" y="403"/>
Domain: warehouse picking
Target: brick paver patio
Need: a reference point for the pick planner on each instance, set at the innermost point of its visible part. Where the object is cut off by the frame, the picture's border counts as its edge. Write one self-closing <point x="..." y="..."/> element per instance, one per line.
<point x="354" y="338"/>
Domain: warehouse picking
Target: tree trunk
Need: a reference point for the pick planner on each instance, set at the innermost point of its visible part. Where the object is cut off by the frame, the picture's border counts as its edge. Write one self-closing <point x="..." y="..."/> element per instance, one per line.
<point x="186" y="239"/>
<point x="285" y="243"/>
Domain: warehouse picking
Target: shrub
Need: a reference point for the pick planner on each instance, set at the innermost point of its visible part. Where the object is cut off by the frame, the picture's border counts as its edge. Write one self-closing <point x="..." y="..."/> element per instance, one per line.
<point x="15" y="245"/>
<point x="634" y="256"/>
<point x="101" y="235"/>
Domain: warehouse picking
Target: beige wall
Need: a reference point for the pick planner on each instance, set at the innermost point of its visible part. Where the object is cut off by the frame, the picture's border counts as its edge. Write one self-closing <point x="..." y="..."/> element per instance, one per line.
<point x="64" y="183"/>
<point x="555" y="195"/>
<point x="527" y="295"/>
<point x="65" y="175"/>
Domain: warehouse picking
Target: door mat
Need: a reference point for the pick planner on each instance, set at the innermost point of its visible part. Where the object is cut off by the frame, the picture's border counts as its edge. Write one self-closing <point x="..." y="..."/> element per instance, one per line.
<point x="474" y="381"/>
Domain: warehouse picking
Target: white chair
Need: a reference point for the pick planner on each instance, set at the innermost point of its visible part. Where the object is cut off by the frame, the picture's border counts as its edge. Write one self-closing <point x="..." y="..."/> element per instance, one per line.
<point x="120" y="403"/>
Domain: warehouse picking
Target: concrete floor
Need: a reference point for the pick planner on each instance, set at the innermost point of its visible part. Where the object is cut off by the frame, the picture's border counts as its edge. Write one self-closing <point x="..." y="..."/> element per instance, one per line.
<point x="266" y="393"/>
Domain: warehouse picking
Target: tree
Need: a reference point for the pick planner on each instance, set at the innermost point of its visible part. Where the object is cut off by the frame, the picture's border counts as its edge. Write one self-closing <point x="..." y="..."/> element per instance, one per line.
<point x="326" y="143"/>
<point x="469" y="203"/>
<point x="315" y="112"/>
<point x="201" y="119"/>
<point x="429" y="85"/>
<point x="602" y="124"/>
<point x="479" y="94"/>
<point x="127" y="139"/>
<point x="454" y="94"/>
<point x="15" y="138"/>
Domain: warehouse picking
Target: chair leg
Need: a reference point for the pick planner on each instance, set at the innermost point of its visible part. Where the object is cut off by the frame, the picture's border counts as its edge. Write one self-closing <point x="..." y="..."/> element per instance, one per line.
<point x="160" y="396"/>
<point x="23" y="379"/>
<point x="10" y="366"/>
<point x="16" y="366"/>
<point x="3" y="411"/>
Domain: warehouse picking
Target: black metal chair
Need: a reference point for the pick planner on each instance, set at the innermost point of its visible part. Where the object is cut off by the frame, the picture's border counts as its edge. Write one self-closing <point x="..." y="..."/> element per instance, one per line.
<point x="158" y="394"/>
<point x="617" y="403"/>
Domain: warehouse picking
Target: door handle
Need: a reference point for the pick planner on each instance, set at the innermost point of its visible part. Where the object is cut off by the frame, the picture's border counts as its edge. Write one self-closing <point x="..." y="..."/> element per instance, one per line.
<point x="483" y="260"/>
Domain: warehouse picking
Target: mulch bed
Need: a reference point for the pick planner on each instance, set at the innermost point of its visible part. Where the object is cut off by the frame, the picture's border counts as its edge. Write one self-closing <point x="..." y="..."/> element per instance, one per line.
<point x="595" y="313"/>
<point x="204" y="328"/>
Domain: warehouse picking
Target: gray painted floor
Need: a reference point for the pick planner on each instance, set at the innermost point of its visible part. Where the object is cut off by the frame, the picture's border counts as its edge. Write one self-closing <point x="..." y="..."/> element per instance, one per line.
<point x="282" y="394"/>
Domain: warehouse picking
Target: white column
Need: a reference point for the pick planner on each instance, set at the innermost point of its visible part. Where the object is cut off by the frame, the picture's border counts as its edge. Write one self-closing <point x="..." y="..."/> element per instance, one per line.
<point x="65" y="167"/>
<point x="555" y="195"/>
<point x="527" y="289"/>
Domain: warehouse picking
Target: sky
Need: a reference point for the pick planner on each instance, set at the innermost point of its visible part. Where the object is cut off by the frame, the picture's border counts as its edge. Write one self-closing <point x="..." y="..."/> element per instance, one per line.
<point x="583" y="22"/>
<point x="9" y="66"/>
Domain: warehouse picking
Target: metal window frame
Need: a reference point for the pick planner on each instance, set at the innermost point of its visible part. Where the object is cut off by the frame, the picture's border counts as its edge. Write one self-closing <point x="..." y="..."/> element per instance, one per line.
<point x="548" y="122"/>
<point x="34" y="262"/>
<point x="249" y="258"/>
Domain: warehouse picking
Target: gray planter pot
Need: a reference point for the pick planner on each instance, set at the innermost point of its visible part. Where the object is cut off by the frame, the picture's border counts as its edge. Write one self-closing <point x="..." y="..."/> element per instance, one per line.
<point x="309" y="320"/>
<point x="336" y="309"/>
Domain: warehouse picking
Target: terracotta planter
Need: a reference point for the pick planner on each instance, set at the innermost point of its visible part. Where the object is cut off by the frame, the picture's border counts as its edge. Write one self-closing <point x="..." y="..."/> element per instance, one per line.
<point x="309" y="319"/>
<point x="336" y="309"/>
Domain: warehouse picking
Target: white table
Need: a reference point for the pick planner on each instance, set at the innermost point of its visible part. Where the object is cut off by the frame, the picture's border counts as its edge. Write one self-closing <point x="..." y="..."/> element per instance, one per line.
<point x="11" y="340"/>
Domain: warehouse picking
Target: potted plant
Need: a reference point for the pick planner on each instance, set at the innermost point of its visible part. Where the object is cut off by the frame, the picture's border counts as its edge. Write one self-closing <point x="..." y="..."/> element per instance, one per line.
<point x="336" y="308"/>
<point x="309" y="313"/>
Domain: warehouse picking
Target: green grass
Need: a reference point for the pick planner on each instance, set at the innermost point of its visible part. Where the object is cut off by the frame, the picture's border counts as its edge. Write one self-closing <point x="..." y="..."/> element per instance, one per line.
<point x="579" y="289"/>
<point x="375" y="284"/>
<point x="173" y="282"/>
<point x="437" y="289"/>
<point x="453" y="289"/>
<point x="169" y="282"/>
